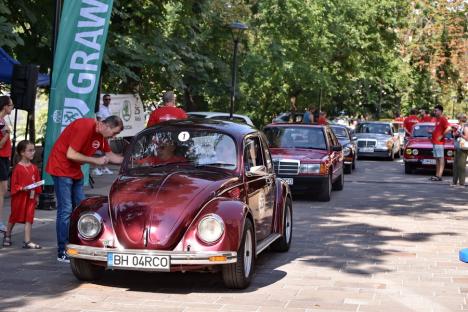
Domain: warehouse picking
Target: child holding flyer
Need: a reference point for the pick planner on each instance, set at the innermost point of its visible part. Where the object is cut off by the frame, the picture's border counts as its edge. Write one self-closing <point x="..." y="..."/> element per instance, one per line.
<point x="25" y="189"/>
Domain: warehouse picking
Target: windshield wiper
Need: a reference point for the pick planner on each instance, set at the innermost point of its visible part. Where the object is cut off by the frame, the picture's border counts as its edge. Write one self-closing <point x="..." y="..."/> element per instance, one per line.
<point x="216" y="164"/>
<point x="169" y="163"/>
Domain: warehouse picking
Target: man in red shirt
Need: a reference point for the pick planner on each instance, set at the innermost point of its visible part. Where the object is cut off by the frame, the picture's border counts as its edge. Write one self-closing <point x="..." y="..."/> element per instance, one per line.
<point x="167" y="112"/>
<point x="74" y="147"/>
<point x="442" y="127"/>
<point x="410" y="121"/>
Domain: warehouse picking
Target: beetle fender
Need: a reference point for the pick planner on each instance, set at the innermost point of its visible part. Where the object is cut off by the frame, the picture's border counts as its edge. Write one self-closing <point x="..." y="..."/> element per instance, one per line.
<point x="99" y="205"/>
<point x="232" y="212"/>
<point x="282" y="192"/>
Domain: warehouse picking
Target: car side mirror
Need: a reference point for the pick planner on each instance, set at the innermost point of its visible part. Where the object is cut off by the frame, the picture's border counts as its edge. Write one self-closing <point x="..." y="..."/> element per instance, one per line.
<point x="257" y="171"/>
<point x="337" y="148"/>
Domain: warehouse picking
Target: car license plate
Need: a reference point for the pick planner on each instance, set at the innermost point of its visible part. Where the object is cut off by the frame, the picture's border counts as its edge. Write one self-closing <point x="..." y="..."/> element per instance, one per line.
<point x="366" y="149"/>
<point x="151" y="262"/>
<point x="428" y="161"/>
<point x="289" y="181"/>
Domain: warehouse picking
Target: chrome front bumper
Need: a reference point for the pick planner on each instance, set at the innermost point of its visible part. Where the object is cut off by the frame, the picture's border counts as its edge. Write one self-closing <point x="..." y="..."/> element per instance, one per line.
<point x="177" y="257"/>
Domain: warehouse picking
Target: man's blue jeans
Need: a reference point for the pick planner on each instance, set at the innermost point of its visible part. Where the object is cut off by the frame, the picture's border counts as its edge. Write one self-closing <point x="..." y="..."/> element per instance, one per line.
<point x="69" y="193"/>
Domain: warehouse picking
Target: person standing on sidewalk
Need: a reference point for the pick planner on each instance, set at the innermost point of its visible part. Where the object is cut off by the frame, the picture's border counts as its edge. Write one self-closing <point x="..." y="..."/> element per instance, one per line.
<point x="167" y="112"/>
<point x="23" y="200"/>
<point x="459" y="162"/>
<point x="6" y="106"/>
<point x="442" y="127"/>
<point x="74" y="147"/>
<point x="102" y="114"/>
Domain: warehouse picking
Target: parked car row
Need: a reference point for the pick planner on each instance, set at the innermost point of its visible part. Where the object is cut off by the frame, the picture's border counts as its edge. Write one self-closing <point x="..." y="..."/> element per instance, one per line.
<point x="207" y="194"/>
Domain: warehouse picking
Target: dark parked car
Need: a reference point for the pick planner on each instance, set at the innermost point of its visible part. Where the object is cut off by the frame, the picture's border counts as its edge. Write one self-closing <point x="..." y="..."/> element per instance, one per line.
<point x="190" y="195"/>
<point x="307" y="157"/>
<point x="348" y="142"/>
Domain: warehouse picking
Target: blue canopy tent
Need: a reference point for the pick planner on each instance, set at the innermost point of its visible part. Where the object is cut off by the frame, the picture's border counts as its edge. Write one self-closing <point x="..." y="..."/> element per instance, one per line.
<point x="6" y="70"/>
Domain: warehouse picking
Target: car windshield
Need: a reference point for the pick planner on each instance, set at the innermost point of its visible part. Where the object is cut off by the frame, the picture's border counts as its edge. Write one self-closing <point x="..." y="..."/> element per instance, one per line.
<point x="163" y="147"/>
<point x="374" y="128"/>
<point x="340" y="132"/>
<point x="424" y="131"/>
<point x="295" y="137"/>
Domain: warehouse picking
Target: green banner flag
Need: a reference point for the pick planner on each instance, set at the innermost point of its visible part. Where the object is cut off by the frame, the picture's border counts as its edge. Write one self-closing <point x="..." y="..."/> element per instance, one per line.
<point x="77" y="66"/>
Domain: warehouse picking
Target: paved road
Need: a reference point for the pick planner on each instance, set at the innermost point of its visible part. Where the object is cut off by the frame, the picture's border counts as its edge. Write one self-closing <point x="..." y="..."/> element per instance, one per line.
<point x="387" y="242"/>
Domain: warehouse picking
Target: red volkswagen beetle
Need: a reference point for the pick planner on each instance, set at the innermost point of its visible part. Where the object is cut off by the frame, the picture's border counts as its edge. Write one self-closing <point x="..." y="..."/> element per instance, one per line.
<point x="190" y="195"/>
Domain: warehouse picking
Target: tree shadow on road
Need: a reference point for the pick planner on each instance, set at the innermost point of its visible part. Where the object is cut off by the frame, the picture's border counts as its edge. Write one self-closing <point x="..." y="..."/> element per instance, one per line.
<point x="334" y="235"/>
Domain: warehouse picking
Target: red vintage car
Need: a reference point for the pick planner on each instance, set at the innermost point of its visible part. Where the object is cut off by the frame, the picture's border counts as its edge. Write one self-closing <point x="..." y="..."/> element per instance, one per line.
<point x="307" y="157"/>
<point x="418" y="149"/>
<point x="190" y="195"/>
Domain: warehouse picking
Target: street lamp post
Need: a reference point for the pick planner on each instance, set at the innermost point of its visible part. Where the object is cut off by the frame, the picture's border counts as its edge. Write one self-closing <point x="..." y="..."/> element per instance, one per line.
<point x="236" y="29"/>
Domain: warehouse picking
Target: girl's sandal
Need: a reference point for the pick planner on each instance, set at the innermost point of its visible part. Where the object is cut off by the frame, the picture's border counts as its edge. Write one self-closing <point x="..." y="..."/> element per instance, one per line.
<point x="7" y="240"/>
<point x="31" y="245"/>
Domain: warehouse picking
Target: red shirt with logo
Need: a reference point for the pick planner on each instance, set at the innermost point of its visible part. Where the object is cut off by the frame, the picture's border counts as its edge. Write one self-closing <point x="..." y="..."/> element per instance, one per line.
<point x="166" y="113"/>
<point x="438" y="133"/>
<point x="409" y="122"/>
<point x="80" y="135"/>
<point x="5" y="151"/>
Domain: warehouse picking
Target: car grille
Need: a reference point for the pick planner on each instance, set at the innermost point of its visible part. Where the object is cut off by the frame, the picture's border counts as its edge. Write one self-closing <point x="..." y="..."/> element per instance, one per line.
<point x="286" y="167"/>
<point x="425" y="152"/>
<point x="366" y="143"/>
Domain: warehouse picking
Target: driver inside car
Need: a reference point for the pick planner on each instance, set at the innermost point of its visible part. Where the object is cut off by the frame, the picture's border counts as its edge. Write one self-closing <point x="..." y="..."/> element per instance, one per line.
<point x="164" y="153"/>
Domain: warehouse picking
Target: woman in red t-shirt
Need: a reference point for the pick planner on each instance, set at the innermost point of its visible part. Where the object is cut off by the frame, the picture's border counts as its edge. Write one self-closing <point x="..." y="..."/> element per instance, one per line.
<point x="6" y="106"/>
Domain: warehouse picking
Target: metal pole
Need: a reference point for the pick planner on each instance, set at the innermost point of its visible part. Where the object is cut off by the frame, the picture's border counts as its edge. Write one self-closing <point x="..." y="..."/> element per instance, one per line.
<point x="320" y="101"/>
<point x="234" y="76"/>
<point x="55" y="29"/>
<point x="47" y="198"/>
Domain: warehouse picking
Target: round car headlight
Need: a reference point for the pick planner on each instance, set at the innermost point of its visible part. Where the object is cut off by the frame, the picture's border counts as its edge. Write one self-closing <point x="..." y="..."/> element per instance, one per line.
<point x="409" y="151"/>
<point x="449" y="153"/>
<point x="210" y="228"/>
<point x="346" y="151"/>
<point x="415" y="152"/>
<point x="90" y="225"/>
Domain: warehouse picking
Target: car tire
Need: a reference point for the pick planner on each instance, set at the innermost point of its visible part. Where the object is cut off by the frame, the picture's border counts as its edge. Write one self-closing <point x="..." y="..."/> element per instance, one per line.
<point x="86" y="271"/>
<point x="283" y="243"/>
<point x="348" y="169"/>
<point x="409" y="169"/>
<point x="325" y="194"/>
<point x="239" y="274"/>
<point x="339" y="183"/>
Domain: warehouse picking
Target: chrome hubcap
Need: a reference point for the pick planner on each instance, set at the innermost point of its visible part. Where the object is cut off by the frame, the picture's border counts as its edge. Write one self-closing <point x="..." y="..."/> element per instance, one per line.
<point x="288" y="225"/>
<point x="247" y="253"/>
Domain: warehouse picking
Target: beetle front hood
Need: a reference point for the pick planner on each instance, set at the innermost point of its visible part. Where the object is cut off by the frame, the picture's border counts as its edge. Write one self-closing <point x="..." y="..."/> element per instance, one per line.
<point x="153" y="212"/>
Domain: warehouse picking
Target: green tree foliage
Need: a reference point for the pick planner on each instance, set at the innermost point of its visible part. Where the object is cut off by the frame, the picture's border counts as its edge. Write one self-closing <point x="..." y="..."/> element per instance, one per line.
<point x="358" y="56"/>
